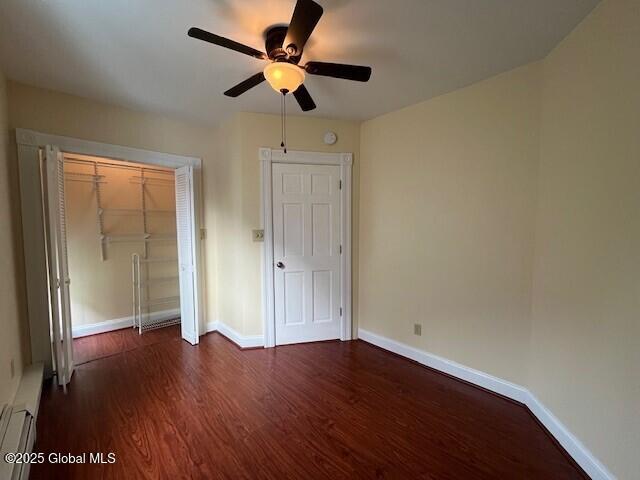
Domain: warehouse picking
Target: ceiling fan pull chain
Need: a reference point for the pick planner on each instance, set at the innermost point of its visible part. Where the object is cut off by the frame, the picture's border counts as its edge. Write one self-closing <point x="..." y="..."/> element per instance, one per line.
<point x="283" y="121"/>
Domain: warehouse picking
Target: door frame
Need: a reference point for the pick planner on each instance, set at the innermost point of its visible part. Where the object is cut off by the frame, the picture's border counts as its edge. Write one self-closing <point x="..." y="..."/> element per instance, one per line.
<point x="29" y="143"/>
<point x="269" y="156"/>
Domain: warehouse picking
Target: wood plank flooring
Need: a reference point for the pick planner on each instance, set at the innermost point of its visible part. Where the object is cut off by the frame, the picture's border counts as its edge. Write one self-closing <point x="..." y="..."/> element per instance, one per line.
<point x="328" y="410"/>
<point x="93" y="347"/>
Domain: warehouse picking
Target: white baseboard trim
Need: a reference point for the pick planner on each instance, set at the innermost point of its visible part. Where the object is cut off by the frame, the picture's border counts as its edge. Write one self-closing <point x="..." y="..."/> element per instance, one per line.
<point x="243" y="341"/>
<point x="503" y="387"/>
<point x="117" y="323"/>
<point x="574" y="447"/>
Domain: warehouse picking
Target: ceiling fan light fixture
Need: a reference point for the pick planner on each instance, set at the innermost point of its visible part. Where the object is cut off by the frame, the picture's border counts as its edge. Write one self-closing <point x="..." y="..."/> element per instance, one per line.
<point x="283" y="76"/>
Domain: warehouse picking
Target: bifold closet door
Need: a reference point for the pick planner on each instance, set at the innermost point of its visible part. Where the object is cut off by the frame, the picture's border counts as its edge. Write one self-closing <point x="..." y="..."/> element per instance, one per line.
<point x="186" y="230"/>
<point x="62" y="340"/>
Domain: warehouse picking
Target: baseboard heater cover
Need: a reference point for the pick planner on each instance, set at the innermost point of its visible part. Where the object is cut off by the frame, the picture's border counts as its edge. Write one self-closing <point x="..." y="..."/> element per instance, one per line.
<point x="18" y="423"/>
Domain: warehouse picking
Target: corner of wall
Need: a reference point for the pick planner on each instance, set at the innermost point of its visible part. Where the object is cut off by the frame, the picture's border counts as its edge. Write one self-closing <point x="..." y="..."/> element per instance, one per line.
<point x="13" y="350"/>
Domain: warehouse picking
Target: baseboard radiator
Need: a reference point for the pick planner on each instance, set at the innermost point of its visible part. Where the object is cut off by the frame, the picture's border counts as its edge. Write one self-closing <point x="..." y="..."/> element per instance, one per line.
<point x="18" y="424"/>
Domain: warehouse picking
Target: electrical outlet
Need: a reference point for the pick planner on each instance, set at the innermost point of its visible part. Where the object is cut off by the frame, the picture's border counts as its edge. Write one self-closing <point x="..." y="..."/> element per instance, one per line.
<point x="417" y="329"/>
<point x="13" y="368"/>
<point x="257" y="235"/>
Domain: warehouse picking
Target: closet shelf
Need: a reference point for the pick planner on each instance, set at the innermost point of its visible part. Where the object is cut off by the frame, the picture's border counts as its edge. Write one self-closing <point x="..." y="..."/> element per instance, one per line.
<point x="151" y="181"/>
<point x="159" y="260"/>
<point x="160" y="301"/>
<point x="151" y="325"/>
<point x="143" y="317"/>
<point x="154" y="281"/>
<point x="162" y="237"/>
<point x="133" y="211"/>
<point x="138" y="237"/>
<point x="125" y="238"/>
<point x="84" y="177"/>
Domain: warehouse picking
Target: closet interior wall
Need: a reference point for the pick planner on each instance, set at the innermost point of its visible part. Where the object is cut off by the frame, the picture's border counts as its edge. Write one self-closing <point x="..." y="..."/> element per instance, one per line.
<point x="116" y="212"/>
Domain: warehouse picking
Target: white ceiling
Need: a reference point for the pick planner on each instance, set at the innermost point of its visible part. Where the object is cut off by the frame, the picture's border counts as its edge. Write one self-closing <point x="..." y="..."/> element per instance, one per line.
<point x="137" y="53"/>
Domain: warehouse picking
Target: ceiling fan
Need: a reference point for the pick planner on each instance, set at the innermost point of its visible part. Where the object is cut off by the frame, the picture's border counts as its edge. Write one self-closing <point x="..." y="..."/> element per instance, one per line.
<point x="284" y="46"/>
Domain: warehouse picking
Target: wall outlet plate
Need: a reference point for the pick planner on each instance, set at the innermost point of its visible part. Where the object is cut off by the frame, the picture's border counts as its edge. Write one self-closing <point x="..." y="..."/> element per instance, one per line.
<point x="258" y="235"/>
<point x="417" y="329"/>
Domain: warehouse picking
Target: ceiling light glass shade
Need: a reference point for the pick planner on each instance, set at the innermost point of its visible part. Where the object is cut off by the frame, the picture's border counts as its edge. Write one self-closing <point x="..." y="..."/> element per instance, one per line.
<point x="284" y="76"/>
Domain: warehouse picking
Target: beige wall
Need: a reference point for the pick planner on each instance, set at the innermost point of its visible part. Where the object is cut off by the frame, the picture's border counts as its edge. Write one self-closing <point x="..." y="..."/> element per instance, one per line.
<point x="61" y="114"/>
<point x="533" y="282"/>
<point x="101" y="289"/>
<point x="231" y="180"/>
<point x="12" y="322"/>
<point x="448" y="193"/>
<point x="502" y="216"/>
<point x="235" y="191"/>
<point x="585" y="363"/>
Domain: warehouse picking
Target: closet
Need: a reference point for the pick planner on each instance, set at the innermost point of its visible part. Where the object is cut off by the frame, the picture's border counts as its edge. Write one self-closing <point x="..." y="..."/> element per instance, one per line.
<point x="121" y="234"/>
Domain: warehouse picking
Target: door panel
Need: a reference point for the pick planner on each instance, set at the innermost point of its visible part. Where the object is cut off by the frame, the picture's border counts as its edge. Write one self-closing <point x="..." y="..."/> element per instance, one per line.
<point x="306" y="234"/>
<point x="322" y="280"/>
<point x="56" y="233"/>
<point x="293" y="296"/>
<point x="186" y="235"/>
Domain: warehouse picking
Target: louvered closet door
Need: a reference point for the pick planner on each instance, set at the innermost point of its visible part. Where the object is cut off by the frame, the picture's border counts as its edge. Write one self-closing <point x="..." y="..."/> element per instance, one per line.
<point x="186" y="229"/>
<point x="306" y="249"/>
<point x="59" y="281"/>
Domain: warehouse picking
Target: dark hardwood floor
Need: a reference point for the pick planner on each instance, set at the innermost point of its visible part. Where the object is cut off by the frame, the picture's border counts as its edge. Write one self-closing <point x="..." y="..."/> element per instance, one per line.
<point x="93" y="347"/>
<point x="323" y="410"/>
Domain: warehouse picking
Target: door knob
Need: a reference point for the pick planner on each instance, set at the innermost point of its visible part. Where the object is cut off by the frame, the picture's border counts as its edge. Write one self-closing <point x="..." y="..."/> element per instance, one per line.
<point x="280" y="265"/>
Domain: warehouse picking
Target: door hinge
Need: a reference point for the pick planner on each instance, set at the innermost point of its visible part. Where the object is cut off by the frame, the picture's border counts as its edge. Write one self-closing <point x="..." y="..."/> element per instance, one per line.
<point x="340" y="184"/>
<point x="340" y="311"/>
<point x="340" y="249"/>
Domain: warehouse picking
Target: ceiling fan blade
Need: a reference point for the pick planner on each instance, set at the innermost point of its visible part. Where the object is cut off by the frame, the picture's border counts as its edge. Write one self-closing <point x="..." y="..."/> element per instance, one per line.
<point x="305" y="18"/>
<point x="339" y="70"/>
<point x="248" y="84"/>
<point x="304" y="99"/>
<point x="205" y="36"/>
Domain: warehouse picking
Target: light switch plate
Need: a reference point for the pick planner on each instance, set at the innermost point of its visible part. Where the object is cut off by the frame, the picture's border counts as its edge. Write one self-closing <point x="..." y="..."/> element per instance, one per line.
<point x="258" y="235"/>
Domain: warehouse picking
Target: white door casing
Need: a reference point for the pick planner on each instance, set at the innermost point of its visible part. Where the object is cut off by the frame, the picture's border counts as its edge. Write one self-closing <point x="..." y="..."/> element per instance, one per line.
<point x="186" y="233"/>
<point x="333" y="279"/>
<point x="56" y="235"/>
<point x="306" y="249"/>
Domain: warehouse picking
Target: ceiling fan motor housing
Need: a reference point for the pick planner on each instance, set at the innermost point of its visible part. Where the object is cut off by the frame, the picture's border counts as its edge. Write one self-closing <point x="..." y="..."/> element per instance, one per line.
<point x="274" y="39"/>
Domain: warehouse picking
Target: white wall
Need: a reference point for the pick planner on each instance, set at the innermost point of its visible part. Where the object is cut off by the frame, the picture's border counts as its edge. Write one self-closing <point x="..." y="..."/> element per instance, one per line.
<point x="585" y="363"/>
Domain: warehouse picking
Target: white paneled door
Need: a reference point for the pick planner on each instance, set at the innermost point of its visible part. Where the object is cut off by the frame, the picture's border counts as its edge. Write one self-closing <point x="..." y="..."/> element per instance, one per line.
<point x="306" y="247"/>
<point x="186" y="229"/>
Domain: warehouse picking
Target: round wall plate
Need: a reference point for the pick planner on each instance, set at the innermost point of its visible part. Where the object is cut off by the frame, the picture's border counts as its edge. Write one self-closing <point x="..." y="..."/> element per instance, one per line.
<point x="330" y="138"/>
